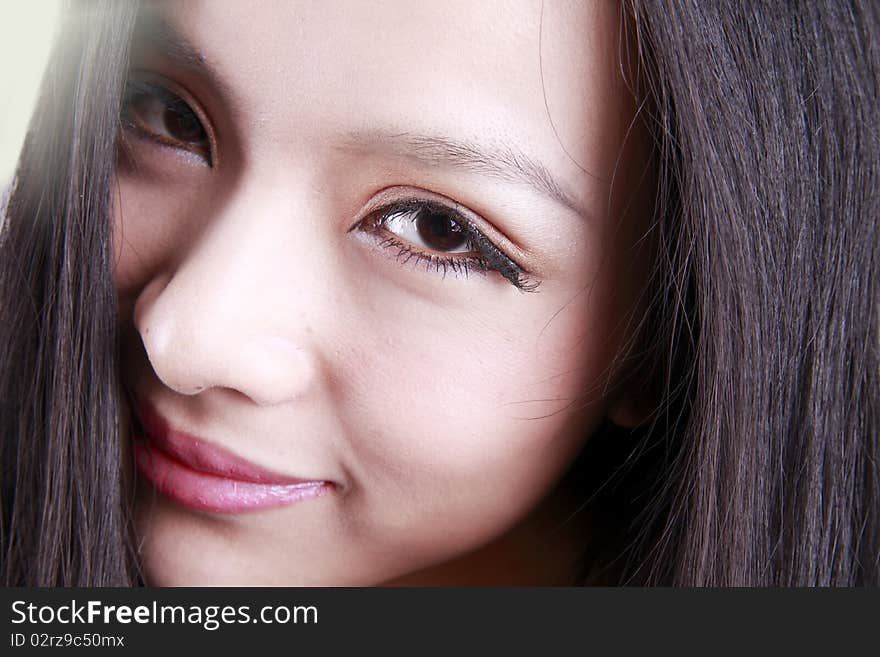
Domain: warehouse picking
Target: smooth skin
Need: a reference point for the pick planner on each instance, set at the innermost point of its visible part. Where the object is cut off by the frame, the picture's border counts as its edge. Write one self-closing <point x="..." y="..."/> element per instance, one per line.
<point x="261" y="313"/>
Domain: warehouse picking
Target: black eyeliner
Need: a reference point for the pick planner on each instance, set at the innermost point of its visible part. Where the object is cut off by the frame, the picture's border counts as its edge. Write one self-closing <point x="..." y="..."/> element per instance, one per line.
<point x="490" y="258"/>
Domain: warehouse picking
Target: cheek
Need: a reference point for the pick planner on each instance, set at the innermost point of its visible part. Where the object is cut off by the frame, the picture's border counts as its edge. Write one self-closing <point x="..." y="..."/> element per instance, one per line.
<point x="153" y="218"/>
<point x="465" y="423"/>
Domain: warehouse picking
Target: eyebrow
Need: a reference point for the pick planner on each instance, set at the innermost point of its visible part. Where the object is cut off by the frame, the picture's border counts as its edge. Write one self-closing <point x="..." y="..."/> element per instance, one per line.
<point x="500" y="161"/>
<point x="153" y="33"/>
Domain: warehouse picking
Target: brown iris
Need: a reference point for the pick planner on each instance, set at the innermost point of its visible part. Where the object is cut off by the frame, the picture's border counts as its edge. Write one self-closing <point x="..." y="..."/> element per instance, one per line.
<point x="439" y="230"/>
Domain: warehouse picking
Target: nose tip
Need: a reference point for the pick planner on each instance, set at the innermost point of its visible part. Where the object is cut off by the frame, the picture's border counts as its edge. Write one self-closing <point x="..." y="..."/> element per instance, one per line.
<point x="191" y="354"/>
<point x="268" y="370"/>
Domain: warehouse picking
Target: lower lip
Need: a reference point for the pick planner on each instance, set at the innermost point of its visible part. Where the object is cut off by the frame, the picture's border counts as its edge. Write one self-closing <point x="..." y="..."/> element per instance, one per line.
<point x="213" y="493"/>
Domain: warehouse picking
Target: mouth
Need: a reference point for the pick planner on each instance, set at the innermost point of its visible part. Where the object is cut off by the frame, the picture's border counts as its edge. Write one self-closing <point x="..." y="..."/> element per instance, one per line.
<point x="197" y="474"/>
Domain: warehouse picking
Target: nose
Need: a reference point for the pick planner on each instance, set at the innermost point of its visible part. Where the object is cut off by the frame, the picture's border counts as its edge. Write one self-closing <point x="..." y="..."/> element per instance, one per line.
<point x="222" y="318"/>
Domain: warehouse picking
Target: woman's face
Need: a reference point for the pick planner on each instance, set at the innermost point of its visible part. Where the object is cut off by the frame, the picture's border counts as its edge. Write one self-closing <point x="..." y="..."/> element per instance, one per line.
<point x="373" y="279"/>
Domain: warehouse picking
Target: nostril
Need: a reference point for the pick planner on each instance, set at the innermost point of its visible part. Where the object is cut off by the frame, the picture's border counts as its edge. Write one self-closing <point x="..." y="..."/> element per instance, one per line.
<point x="268" y="370"/>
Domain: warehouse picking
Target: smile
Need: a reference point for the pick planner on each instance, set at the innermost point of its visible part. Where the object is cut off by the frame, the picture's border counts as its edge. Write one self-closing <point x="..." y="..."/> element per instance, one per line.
<point x="206" y="477"/>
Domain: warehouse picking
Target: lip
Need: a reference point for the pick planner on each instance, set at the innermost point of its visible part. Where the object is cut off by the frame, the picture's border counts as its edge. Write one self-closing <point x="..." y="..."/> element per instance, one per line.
<point x="206" y="477"/>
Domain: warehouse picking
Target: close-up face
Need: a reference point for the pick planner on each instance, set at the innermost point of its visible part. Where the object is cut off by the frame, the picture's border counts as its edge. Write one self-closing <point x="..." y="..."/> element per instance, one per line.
<point x="376" y="264"/>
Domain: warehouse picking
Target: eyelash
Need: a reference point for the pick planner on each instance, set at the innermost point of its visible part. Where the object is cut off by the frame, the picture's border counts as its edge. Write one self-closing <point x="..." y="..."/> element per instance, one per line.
<point x="483" y="255"/>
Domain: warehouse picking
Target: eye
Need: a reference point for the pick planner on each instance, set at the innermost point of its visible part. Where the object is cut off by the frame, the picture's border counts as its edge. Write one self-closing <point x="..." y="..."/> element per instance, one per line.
<point x="443" y="239"/>
<point x="161" y="115"/>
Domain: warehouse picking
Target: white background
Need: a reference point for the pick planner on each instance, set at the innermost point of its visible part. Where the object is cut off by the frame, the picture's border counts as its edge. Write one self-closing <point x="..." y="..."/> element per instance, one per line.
<point x="27" y="28"/>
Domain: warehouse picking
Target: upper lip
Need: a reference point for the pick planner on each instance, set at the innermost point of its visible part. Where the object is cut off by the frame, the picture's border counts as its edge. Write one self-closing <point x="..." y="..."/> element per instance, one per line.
<point x="202" y="455"/>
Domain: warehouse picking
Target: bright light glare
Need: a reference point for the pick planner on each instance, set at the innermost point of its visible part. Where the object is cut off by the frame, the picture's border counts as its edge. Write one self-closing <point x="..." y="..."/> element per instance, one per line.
<point x="27" y="28"/>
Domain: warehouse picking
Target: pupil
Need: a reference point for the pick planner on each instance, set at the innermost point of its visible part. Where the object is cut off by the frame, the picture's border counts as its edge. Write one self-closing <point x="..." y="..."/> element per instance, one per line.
<point x="439" y="231"/>
<point x="183" y="125"/>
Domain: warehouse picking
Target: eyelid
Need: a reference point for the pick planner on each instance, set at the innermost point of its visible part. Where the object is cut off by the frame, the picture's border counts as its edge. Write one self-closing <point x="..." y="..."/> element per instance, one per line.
<point x="401" y="194"/>
<point x="486" y="254"/>
<point x="159" y="83"/>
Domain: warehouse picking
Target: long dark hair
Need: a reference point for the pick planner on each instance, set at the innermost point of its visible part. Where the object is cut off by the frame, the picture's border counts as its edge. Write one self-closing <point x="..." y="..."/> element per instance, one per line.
<point x="64" y="508"/>
<point x="766" y="121"/>
<point x="761" y="464"/>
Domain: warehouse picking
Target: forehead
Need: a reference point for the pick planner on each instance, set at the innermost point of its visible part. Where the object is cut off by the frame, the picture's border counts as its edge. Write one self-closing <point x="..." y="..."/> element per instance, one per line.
<point x="545" y="74"/>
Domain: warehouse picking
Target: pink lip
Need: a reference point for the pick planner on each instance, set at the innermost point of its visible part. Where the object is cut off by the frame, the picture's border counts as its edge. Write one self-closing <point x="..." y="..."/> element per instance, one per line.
<point x="206" y="477"/>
